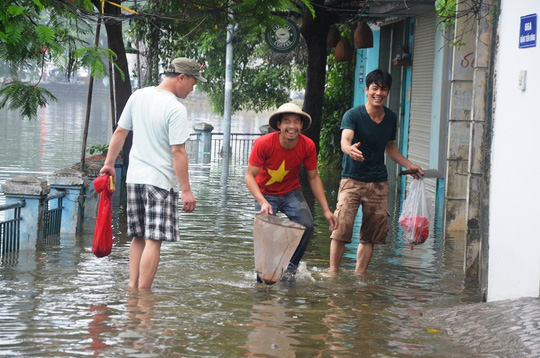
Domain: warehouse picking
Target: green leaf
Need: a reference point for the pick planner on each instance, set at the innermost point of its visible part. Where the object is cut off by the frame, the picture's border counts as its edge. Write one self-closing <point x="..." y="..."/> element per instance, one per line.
<point x="446" y="9"/>
<point x="38" y="4"/>
<point x="45" y="34"/>
<point x="339" y="89"/>
<point x="95" y="58"/>
<point x="14" y="33"/>
<point x="16" y="10"/>
<point x="24" y="98"/>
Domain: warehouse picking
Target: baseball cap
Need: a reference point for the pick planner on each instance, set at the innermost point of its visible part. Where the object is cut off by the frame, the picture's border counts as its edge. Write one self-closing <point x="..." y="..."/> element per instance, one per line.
<point x="186" y="66"/>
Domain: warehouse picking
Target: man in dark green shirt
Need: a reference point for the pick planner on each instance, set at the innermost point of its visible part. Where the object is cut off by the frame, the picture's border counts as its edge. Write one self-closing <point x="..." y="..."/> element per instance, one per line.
<point x="368" y="132"/>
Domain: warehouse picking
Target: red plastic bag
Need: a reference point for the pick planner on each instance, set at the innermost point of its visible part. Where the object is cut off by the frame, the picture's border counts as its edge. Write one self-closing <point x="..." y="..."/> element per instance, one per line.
<point x="416" y="214"/>
<point x="102" y="244"/>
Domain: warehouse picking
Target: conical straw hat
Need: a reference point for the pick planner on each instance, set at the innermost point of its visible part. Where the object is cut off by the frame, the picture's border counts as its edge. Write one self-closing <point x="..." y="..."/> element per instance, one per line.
<point x="293" y="109"/>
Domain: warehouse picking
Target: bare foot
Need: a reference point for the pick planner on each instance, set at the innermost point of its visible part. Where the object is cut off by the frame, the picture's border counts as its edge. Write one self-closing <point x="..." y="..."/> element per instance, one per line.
<point x="331" y="272"/>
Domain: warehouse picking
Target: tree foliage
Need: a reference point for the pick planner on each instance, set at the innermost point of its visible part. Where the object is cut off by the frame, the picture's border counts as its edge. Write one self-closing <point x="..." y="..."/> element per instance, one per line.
<point x="469" y="11"/>
<point x="261" y="81"/>
<point x="261" y="78"/>
<point x="446" y="9"/>
<point x="34" y="33"/>
<point x="93" y="58"/>
<point x="337" y="100"/>
<point x="24" y="97"/>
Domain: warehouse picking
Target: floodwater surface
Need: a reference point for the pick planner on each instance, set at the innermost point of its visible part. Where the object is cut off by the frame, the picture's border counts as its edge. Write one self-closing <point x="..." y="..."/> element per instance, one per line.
<point x="62" y="301"/>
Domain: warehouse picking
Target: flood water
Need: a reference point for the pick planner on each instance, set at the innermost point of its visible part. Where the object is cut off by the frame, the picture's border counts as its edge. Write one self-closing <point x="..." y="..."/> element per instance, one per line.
<point x="62" y="301"/>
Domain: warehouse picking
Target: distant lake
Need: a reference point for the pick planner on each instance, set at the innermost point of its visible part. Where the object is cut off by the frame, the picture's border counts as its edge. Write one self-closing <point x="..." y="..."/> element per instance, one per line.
<point x="54" y="140"/>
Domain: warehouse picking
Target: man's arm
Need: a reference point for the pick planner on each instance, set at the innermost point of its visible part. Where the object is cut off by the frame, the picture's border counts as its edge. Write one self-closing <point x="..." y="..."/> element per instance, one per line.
<point x="317" y="188"/>
<point x="251" y="183"/>
<point x="115" y="146"/>
<point x="393" y="153"/>
<point x="180" y="164"/>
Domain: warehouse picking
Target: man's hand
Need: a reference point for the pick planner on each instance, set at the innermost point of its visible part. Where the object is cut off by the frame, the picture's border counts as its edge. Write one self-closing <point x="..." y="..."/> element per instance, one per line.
<point x="332" y="220"/>
<point x="355" y="153"/>
<point x="188" y="201"/>
<point x="107" y="169"/>
<point x="420" y="172"/>
<point x="266" y="208"/>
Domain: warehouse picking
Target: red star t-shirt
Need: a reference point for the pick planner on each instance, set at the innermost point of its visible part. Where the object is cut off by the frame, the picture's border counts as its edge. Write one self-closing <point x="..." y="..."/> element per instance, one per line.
<point x="279" y="166"/>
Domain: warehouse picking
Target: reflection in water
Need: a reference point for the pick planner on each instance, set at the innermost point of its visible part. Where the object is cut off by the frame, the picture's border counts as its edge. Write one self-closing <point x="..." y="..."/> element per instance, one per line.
<point x="205" y="302"/>
<point x="140" y="309"/>
<point x="137" y="334"/>
<point x="339" y="329"/>
<point x="224" y="181"/>
<point x="98" y="326"/>
<point x="271" y="335"/>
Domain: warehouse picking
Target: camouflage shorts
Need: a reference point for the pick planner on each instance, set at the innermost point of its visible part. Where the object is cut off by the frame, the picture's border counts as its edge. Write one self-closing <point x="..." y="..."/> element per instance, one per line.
<point x="374" y="200"/>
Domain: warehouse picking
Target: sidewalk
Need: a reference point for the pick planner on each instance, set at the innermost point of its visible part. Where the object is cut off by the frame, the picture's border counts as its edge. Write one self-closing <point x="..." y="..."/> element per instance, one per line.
<point x="508" y="328"/>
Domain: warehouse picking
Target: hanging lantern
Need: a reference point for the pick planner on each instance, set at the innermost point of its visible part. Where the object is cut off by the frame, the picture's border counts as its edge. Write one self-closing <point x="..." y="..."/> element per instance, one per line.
<point x="363" y="36"/>
<point x="344" y="50"/>
<point x="333" y="37"/>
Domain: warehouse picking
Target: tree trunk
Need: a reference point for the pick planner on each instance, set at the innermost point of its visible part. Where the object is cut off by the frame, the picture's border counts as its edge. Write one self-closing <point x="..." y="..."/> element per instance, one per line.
<point x="122" y="87"/>
<point x="315" y="32"/>
<point x="153" y="58"/>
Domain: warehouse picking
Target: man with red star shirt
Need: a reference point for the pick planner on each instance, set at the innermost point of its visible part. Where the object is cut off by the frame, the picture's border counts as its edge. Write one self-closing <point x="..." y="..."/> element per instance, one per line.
<point x="272" y="175"/>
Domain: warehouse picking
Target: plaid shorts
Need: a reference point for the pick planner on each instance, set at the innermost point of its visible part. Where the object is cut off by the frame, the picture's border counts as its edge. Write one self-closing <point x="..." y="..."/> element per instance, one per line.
<point x="152" y="212"/>
<point x="374" y="200"/>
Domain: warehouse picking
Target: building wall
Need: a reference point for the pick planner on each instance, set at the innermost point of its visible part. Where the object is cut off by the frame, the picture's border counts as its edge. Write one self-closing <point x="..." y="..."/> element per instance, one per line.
<point x="478" y="183"/>
<point x="367" y="60"/>
<point x="459" y="132"/>
<point x="514" y="238"/>
<point x="469" y="137"/>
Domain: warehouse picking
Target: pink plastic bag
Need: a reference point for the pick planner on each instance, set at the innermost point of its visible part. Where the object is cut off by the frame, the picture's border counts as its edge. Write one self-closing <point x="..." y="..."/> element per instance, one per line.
<point x="416" y="214"/>
<point x="102" y="244"/>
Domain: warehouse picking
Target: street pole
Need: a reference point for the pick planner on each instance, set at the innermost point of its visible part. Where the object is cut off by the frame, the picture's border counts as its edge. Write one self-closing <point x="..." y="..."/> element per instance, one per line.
<point x="228" y="90"/>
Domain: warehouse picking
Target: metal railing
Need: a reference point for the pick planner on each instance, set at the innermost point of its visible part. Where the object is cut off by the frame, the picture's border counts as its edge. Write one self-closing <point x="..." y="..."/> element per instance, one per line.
<point x="10" y="229"/>
<point x="52" y="220"/>
<point x="240" y="144"/>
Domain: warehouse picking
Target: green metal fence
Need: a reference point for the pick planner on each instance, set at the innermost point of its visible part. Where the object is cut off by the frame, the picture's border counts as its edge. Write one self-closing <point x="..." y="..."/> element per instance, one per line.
<point x="53" y="219"/>
<point x="10" y="228"/>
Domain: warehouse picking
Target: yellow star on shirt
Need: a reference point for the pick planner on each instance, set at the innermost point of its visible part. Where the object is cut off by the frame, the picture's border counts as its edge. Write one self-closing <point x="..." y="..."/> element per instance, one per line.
<point x="277" y="175"/>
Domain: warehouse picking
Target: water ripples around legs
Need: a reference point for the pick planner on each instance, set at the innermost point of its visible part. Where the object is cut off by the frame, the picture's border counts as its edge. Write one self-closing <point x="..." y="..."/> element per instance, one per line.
<point x="62" y="301"/>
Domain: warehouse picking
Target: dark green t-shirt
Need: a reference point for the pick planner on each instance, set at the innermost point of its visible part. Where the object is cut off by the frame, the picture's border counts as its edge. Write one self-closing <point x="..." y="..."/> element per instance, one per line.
<point x="373" y="139"/>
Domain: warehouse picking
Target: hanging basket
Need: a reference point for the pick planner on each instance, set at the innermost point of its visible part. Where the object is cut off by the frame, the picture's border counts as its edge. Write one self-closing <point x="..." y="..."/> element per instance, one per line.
<point x="333" y="37"/>
<point x="344" y="50"/>
<point x="363" y="36"/>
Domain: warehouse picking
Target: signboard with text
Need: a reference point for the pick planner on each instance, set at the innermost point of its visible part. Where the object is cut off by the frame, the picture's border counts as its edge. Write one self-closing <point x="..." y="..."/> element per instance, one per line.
<point x="527" y="31"/>
<point x="283" y="38"/>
